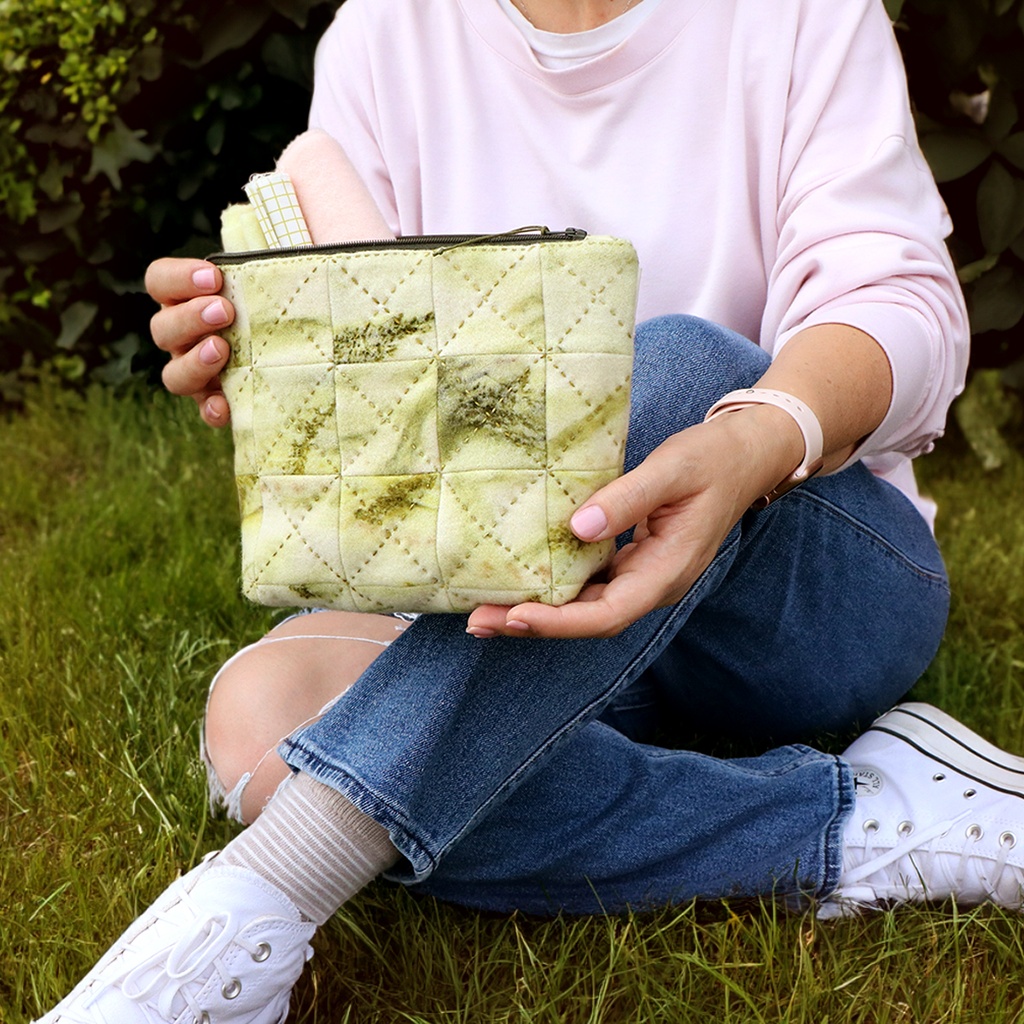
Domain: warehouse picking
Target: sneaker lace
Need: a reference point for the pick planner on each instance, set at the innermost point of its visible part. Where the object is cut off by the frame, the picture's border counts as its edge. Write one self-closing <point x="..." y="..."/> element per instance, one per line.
<point x="926" y="870"/>
<point x="180" y="967"/>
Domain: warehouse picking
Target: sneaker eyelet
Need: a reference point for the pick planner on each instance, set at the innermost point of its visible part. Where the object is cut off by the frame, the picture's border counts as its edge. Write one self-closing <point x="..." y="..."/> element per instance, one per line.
<point x="871" y="825"/>
<point x="938" y="777"/>
<point x="974" y="832"/>
<point x="905" y="828"/>
<point x="232" y="990"/>
<point x="970" y="794"/>
<point x="261" y="952"/>
<point x="204" y="1019"/>
<point x="1008" y="839"/>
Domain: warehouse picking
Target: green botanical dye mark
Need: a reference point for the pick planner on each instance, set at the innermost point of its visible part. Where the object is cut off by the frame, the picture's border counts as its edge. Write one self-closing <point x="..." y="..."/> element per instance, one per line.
<point x="489" y="398"/>
<point x="605" y="419"/>
<point x="397" y="500"/>
<point x="248" y="485"/>
<point x="302" y="441"/>
<point x="562" y="540"/>
<point x="304" y="593"/>
<point x="377" y="340"/>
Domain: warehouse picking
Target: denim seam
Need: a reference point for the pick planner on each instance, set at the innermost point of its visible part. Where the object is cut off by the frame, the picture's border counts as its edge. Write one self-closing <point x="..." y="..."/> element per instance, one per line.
<point x="869" y="534"/>
<point x="342" y="778"/>
<point x="802" y="755"/>
<point x="831" y="852"/>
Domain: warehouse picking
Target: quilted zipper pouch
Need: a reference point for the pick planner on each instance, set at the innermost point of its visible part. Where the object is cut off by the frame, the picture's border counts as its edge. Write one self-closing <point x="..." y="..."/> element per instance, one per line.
<point x="415" y="421"/>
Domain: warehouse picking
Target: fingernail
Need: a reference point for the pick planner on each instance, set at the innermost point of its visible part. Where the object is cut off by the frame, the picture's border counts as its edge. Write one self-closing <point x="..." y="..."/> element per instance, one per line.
<point x="208" y="354"/>
<point x="480" y="631"/>
<point x="215" y="313"/>
<point x="589" y="522"/>
<point x="205" y="280"/>
<point x="516" y="624"/>
<point x="212" y="412"/>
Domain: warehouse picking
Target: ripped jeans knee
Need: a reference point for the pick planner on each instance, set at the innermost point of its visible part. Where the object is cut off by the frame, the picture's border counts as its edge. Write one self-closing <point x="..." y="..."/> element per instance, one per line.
<point x="229" y="799"/>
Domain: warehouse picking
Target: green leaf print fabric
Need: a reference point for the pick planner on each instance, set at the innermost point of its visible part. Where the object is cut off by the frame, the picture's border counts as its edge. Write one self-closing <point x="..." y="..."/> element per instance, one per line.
<point x="414" y="427"/>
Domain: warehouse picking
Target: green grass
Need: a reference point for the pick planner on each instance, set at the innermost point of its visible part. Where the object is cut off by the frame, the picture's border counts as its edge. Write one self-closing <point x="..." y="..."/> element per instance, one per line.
<point x="118" y="571"/>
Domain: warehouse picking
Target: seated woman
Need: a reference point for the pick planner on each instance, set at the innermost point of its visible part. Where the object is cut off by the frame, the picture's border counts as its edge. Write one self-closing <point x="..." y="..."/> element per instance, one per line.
<point x="763" y="161"/>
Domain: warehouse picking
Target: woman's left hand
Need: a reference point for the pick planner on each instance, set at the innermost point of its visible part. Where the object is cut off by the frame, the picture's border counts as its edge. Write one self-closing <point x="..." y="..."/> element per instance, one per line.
<point x="683" y="500"/>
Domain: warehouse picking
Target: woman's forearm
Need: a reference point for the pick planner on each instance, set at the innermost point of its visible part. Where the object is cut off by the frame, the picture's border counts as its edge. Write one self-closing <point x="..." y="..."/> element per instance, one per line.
<point x="843" y="376"/>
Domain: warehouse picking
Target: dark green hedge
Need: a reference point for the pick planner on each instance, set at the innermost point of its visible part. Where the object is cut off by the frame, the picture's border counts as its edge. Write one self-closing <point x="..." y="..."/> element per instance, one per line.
<point x="965" y="62"/>
<point x="123" y="127"/>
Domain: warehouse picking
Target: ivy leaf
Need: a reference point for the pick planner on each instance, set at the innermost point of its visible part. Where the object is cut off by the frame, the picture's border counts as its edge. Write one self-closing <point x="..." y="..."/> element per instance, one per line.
<point x="118" y="368"/>
<point x="289" y="58"/>
<point x="74" y="322"/>
<point x="215" y="136"/>
<point x="973" y="271"/>
<point x="61" y="215"/>
<point x="116" y="150"/>
<point x="51" y="181"/>
<point x="951" y="155"/>
<point x="230" y="28"/>
<point x="998" y="301"/>
<point x="1013" y="149"/>
<point x="297" y="11"/>
<point x="1002" y="114"/>
<point x="1000" y="208"/>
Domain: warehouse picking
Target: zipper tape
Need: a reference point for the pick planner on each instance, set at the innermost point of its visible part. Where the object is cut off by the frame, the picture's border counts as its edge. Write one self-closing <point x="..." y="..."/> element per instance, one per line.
<point x="442" y="243"/>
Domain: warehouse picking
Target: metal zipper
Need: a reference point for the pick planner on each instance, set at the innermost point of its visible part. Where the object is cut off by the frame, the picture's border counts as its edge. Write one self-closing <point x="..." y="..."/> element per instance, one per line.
<point x="527" y="235"/>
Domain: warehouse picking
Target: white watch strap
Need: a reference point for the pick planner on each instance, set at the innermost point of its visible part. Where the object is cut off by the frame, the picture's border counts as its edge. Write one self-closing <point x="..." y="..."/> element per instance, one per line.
<point x="805" y="419"/>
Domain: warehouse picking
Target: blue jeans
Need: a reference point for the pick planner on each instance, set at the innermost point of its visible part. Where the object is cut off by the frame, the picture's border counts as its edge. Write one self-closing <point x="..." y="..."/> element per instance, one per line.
<point x="521" y="774"/>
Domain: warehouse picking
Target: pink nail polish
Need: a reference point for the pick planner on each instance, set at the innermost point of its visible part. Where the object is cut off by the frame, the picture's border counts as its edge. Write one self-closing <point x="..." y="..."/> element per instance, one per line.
<point x="215" y="313"/>
<point x="208" y="354"/>
<point x="589" y="522"/>
<point x="517" y="625"/>
<point x="480" y="632"/>
<point x="205" y="280"/>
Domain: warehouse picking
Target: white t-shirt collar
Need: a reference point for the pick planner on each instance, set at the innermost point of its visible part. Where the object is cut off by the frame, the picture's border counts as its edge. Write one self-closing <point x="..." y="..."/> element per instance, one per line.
<point x="555" y="50"/>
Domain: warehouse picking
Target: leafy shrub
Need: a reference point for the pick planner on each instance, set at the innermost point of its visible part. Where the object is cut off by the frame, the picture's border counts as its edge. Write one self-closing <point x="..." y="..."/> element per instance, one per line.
<point x="123" y="127"/>
<point x="965" y="62"/>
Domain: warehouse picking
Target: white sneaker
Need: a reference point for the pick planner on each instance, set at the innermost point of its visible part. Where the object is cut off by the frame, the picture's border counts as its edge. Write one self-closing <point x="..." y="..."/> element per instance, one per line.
<point x="220" y="946"/>
<point x="939" y="814"/>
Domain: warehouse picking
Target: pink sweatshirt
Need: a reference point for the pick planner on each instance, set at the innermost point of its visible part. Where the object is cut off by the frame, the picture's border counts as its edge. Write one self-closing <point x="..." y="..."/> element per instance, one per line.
<point x="759" y="154"/>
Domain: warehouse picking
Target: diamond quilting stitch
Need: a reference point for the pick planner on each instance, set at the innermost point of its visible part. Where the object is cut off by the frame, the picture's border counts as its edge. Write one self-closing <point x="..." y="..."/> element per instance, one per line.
<point x="299" y="514"/>
<point x="591" y="295"/>
<point x="467" y="286"/>
<point x="491" y="412"/>
<point x="379" y="291"/>
<point x="539" y="415"/>
<point x="486" y="530"/>
<point x="375" y="425"/>
<point x="296" y="433"/>
<point x="587" y="409"/>
<point x="292" y="330"/>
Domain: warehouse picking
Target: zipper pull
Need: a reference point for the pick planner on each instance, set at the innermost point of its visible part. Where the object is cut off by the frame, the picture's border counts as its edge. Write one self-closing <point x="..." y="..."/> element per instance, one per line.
<point x="541" y="231"/>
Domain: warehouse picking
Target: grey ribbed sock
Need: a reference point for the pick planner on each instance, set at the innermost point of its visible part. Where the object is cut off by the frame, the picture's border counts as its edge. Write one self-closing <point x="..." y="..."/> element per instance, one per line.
<point x="314" y="845"/>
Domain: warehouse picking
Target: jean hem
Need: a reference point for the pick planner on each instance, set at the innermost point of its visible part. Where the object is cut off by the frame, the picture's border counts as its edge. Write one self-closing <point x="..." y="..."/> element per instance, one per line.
<point x="364" y="799"/>
<point x="832" y="834"/>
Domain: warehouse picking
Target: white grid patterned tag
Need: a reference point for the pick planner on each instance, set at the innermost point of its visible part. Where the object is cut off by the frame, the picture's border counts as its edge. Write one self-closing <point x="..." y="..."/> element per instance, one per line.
<point x="278" y="210"/>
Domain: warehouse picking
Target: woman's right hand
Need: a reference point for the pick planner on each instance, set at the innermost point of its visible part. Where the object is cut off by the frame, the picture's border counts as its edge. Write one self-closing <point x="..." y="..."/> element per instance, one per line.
<point x="190" y="308"/>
